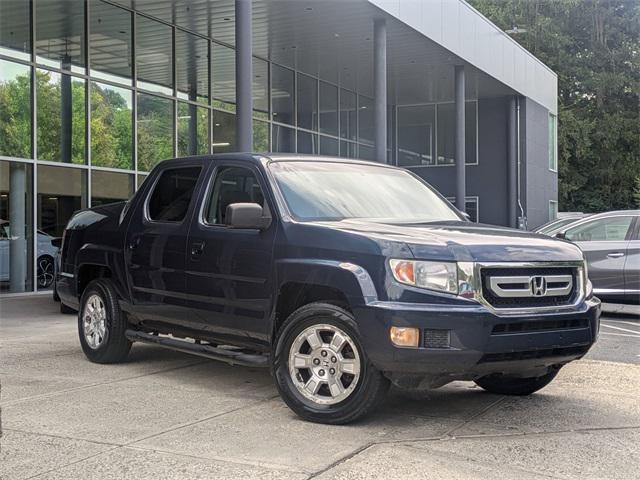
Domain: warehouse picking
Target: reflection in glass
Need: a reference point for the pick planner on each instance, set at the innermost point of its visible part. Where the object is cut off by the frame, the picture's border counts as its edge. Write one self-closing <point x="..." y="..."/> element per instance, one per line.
<point x="16" y="228"/>
<point x="15" y="40"/>
<point x="155" y="130"/>
<point x="446" y="133"/>
<point x="260" y="136"/>
<point x="60" y="34"/>
<point x="282" y="94"/>
<point x="192" y="67"/>
<point x="366" y="127"/>
<point x="260" y="89"/>
<point x="109" y="187"/>
<point x="193" y="129"/>
<point x="307" y="96"/>
<point x="328" y="109"/>
<point x="111" y="126"/>
<point x="365" y="152"/>
<point x="307" y="142"/>
<point x="223" y="71"/>
<point x="110" y="42"/>
<point x="224" y="132"/>
<point x="348" y="115"/>
<point x="328" y="146"/>
<point x="416" y="135"/>
<point x="15" y="110"/>
<point x="61" y="117"/>
<point x="154" y="57"/>
<point x="283" y="139"/>
<point x="61" y="191"/>
<point x="348" y="149"/>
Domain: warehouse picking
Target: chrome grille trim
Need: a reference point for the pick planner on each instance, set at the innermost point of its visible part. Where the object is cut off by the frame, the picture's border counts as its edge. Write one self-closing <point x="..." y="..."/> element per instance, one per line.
<point x="531" y="286"/>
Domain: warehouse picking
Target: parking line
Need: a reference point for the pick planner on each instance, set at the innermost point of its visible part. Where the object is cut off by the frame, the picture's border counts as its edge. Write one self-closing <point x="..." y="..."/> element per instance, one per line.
<point x="620" y="335"/>
<point x="633" y="324"/>
<point x="621" y="329"/>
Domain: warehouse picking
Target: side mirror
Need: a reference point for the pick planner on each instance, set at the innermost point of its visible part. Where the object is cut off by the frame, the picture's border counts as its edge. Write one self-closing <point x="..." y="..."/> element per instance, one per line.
<point x="57" y="242"/>
<point x="246" y="215"/>
<point x="561" y="235"/>
<point x="465" y="215"/>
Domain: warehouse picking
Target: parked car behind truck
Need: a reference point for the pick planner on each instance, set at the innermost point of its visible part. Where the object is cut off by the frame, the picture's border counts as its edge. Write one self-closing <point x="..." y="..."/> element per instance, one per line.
<point x="341" y="276"/>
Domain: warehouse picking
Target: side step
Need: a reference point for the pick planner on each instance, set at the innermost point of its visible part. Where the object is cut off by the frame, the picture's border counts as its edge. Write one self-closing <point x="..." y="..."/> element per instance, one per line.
<point x="232" y="357"/>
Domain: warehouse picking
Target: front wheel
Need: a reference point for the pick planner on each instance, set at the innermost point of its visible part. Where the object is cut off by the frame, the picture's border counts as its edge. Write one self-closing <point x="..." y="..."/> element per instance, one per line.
<point x="506" y="385"/>
<point x="101" y="324"/>
<point x="322" y="371"/>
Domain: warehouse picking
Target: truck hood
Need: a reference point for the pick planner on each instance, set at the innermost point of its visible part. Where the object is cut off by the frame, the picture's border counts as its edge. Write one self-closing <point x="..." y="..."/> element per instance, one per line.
<point x="465" y="241"/>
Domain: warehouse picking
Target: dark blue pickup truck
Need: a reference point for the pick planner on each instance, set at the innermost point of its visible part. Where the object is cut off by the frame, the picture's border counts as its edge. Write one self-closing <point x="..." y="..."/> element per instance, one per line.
<point x="341" y="276"/>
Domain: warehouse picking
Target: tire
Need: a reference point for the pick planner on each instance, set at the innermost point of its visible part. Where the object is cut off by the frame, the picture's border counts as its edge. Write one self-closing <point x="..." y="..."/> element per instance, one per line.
<point x="46" y="270"/>
<point x="361" y="392"/>
<point x="107" y="343"/>
<point x="505" y="385"/>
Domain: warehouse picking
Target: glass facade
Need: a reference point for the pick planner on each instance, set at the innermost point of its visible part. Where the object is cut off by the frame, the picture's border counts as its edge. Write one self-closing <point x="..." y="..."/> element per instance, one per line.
<point x="93" y="94"/>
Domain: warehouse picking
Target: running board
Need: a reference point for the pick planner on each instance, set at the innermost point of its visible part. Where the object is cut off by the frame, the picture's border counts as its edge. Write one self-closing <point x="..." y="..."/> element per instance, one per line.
<point x="232" y="357"/>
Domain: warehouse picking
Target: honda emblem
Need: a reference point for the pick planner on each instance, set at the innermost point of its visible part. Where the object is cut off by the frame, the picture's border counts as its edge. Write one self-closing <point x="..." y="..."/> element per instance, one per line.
<point x="538" y="286"/>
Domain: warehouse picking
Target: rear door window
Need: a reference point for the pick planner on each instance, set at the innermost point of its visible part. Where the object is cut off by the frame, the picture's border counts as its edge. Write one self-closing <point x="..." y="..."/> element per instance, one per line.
<point x="172" y="194"/>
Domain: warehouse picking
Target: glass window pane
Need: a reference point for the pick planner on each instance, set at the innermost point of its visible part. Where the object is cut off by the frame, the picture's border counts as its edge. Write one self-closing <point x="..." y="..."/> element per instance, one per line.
<point x="307" y="142"/>
<point x="223" y="71"/>
<point x="365" y="120"/>
<point x="224" y="132"/>
<point x="109" y="187"/>
<point x="16" y="228"/>
<point x="328" y="109"/>
<point x="193" y="129"/>
<point x="155" y="130"/>
<point x="366" y="152"/>
<point x="192" y="67"/>
<point x="307" y="96"/>
<point x="348" y="114"/>
<point x="283" y="139"/>
<point x="154" y="58"/>
<point x="348" y="149"/>
<point x="281" y="94"/>
<point x="612" y="229"/>
<point x="328" y="146"/>
<point x="141" y="178"/>
<point x="15" y="29"/>
<point x="260" y="136"/>
<point x="471" y="131"/>
<point x="446" y="133"/>
<point x="61" y="117"/>
<point x="15" y="110"/>
<point x="260" y="89"/>
<point x="553" y="147"/>
<point x="110" y="42"/>
<point x="172" y="194"/>
<point x="61" y="191"/>
<point x="111" y="126"/>
<point x="416" y="135"/>
<point x="60" y="34"/>
<point x="232" y="185"/>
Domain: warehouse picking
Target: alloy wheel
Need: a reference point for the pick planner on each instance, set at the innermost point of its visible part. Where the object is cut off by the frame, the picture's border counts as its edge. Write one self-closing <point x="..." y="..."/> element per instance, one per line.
<point x="94" y="321"/>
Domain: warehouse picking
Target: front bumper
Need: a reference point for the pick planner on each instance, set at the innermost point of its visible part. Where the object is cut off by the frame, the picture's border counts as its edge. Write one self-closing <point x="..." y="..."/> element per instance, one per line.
<point x="480" y="342"/>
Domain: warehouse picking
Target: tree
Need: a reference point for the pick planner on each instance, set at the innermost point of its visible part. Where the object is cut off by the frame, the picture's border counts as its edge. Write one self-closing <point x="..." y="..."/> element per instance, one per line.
<point x="594" y="47"/>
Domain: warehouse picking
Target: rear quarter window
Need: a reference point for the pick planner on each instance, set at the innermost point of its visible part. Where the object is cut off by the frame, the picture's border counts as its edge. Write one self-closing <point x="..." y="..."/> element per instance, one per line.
<point x="172" y="194"/>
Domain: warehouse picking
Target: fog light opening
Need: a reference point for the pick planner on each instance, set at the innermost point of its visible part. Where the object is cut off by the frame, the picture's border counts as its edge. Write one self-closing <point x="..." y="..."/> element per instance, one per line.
<point x="405" y="336"/>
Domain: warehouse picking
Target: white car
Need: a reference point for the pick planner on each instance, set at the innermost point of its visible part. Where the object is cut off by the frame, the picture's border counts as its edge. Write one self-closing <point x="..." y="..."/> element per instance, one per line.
<point x="46" y="255"/>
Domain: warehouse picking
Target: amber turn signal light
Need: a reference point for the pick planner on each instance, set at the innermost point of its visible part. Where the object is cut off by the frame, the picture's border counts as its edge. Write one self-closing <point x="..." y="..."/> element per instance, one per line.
<point x="405" y="336"/>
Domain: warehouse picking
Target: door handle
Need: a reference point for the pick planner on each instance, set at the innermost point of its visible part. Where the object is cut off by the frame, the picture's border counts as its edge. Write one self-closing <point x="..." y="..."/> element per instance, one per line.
<point x="197" y="248"/>
<point x="615" y="254"/>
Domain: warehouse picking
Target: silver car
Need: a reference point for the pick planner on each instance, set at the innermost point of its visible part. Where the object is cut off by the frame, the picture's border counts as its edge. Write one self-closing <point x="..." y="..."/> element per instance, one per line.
<point x="611" y="244"/>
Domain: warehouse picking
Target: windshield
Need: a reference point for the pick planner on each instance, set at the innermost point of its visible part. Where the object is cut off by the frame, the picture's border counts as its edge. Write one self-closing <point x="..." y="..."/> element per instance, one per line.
<point x="338" y="191"/>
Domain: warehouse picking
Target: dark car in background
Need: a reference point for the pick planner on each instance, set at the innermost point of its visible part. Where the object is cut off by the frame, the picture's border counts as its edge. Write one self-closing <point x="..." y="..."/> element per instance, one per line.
<point x="340" y="276"/>
<point x="611" y="245"/>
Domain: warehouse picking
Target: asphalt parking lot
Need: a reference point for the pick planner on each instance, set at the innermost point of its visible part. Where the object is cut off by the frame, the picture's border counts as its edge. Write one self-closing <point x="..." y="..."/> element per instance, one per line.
<point x="169" y="415"/>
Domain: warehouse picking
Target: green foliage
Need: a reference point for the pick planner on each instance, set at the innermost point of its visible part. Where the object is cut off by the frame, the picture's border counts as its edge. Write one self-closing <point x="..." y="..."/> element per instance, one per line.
<point x="15" y="117"/>
<point x="636" y="191"/>
<point x="594" y="47"/>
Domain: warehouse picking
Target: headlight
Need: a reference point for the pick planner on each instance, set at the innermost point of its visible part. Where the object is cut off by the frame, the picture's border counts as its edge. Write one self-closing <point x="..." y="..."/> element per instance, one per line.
<point x="439" y="276"/>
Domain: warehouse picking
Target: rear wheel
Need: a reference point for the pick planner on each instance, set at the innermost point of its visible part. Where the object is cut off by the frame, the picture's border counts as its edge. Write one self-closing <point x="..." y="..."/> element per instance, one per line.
<point x="506" y="385"/>
<point x="101" y="324"/>
<point x="322" y="371"/>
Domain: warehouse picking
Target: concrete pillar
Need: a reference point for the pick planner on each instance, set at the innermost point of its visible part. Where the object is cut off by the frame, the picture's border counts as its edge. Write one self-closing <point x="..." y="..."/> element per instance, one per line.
<point x="460" y="138"/>
<point x="17" y="216"/>
<point x="380" y="88"/>
<point x="244" y="77"/>
<point x="66" y="112"/>
<point x="512" y="167"/>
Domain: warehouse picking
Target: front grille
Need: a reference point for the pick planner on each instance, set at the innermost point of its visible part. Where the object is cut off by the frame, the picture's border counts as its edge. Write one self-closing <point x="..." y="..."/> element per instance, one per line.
<point x="535" y="354"/>
<point x="433" y="338"/>
<point x="539" y="326"/>
<point x="525" y="302"/>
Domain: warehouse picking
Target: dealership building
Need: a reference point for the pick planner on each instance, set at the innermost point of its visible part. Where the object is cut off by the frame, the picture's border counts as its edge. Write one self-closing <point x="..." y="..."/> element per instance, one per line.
<point x="94" y="93"/>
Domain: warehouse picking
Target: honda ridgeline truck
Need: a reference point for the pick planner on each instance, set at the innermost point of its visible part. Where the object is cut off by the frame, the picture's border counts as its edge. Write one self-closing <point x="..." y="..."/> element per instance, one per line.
<point x="340" y="276"/>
